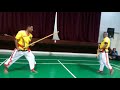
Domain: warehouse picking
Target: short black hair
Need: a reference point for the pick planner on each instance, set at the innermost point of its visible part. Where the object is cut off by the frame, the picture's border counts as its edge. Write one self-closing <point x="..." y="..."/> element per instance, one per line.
<point x="29" y="26"/>
<point x="106" y="33"/>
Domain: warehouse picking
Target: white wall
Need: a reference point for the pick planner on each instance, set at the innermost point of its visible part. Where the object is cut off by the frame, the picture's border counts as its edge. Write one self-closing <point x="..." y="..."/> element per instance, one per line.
<point x="110" y="20"/>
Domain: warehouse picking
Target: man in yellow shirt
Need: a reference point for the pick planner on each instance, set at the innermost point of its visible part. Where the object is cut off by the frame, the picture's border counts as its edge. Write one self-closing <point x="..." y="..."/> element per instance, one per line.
<point x="103" y="53"/>
<point x="22" y="40"/>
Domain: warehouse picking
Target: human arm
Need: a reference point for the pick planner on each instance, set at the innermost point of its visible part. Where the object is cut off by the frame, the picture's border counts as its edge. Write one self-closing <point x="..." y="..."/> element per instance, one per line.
<point x="31" y="40"/>
<point x="98" y="50"/>
<point x="17" y="38"/>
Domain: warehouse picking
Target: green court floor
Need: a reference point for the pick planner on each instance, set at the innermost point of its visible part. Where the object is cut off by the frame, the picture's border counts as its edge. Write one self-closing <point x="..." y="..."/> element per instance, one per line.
<point x="59" y="67"/>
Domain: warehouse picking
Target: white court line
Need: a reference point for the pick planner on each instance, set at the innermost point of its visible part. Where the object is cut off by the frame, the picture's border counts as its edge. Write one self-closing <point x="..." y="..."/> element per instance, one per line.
<point x="68" y="63"/>
<point x="3" y="62"/>
<point x="59" y="63"/>
<point x="64" y="60"/>
<point x="55" y="63"/>
<point x="116" y="68"/>
<point x="78" y="60"/>
<point x="61" y="60"/>
<point x="115" y="65"/>
<point x="67" y="69"/>
<point x="65" y="63"/>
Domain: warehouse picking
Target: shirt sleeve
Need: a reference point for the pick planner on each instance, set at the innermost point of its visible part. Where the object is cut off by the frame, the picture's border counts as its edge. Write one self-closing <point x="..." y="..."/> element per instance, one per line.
<point x="31" y="35"/>
<point x="18" y="36"/>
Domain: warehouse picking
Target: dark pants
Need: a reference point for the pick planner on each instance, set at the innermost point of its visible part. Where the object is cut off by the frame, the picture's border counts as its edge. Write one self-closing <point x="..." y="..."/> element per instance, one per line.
<point x="116" y="58"/>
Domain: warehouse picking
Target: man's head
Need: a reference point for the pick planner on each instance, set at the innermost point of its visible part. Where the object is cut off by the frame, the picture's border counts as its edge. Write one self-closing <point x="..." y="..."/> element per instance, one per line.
<point x="29" y="29"/>
<point x="105" y="34"/>
<point x="114" y="49"/>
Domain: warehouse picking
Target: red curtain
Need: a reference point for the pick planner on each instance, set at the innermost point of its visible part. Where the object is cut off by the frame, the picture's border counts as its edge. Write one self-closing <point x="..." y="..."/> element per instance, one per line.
<point x="12" y="22"/>
<point x="79" y="26"/>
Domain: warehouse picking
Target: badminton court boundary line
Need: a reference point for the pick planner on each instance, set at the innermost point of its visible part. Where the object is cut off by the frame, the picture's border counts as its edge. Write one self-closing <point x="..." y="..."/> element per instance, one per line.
<point x="69" y="63"/>
<point x="116" y="68"/>
<point x="65" y="60"/>
<point x="67" y="69"/>
<point x="115" y="65"/>
<point x="61" y="60"/>
<point x="1" y="63"/>
<point x="54" y="63"/>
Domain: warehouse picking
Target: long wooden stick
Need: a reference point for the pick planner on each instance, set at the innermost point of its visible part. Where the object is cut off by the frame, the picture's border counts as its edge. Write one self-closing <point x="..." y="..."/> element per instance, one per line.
<point x="41" y="39"/>
<point x="9" y="36"/>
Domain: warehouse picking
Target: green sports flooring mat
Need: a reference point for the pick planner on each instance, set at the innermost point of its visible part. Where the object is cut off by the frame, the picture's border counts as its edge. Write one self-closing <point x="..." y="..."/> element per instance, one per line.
<point x="59" y="67"/>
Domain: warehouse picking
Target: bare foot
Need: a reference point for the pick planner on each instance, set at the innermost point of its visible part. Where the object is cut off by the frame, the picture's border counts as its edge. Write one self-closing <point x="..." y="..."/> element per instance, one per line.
<point x="100" y="71"/>
<point x="6" y="70"/>
<point x="34" y="71"/>
<point x="111" y="71"/>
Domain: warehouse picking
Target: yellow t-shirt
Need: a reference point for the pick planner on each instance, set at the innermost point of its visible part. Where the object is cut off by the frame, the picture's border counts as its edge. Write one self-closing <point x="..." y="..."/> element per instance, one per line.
<point x="106" y="39"/>
<point x="23" y="39"/>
